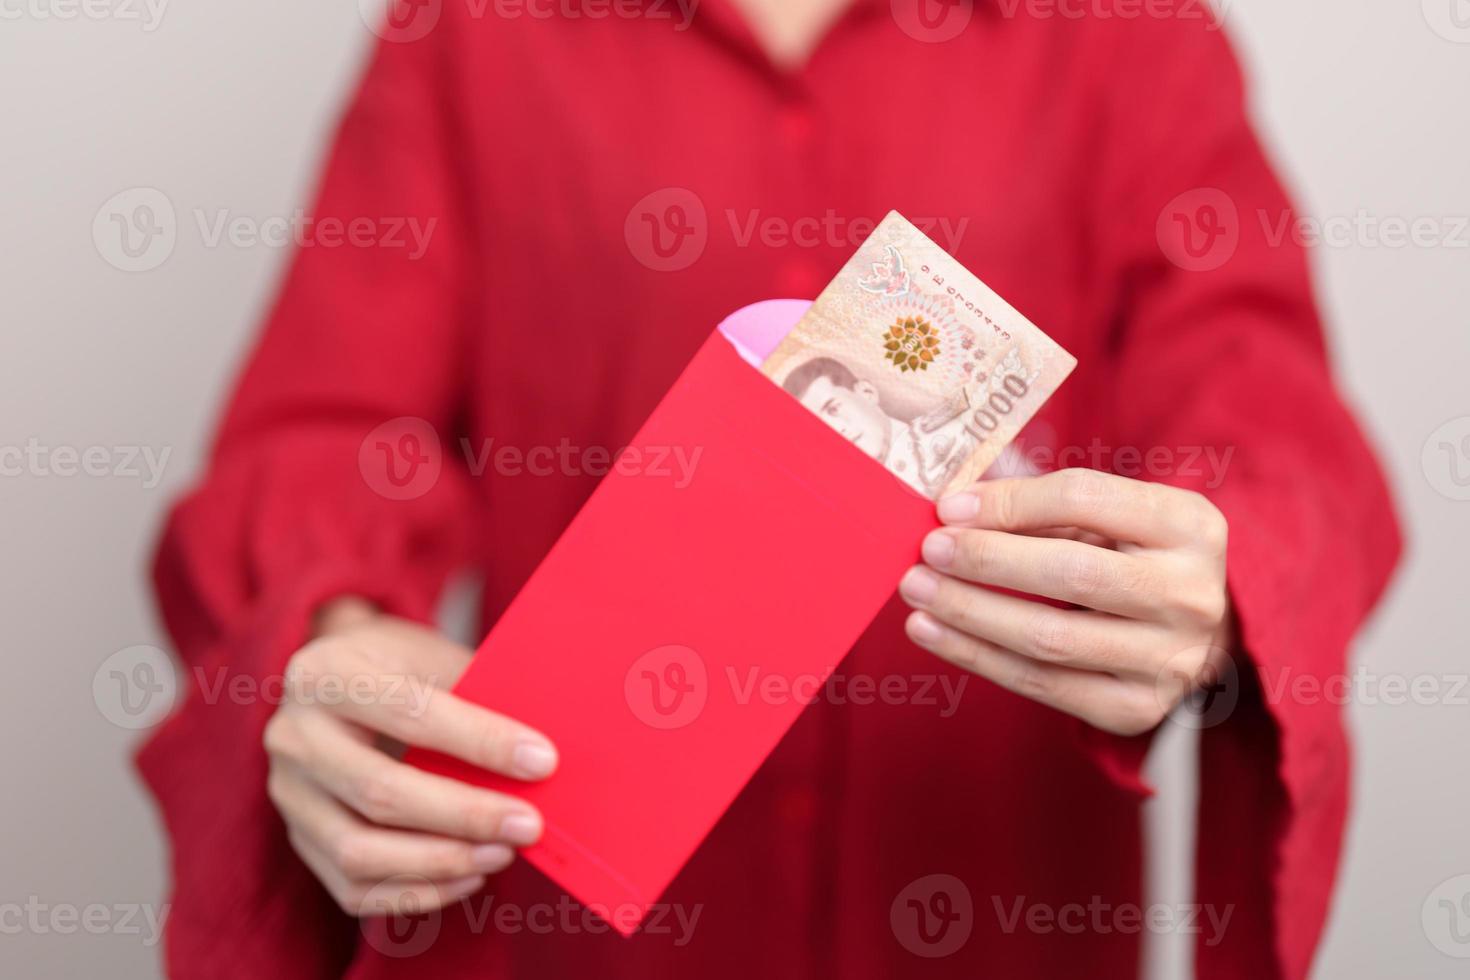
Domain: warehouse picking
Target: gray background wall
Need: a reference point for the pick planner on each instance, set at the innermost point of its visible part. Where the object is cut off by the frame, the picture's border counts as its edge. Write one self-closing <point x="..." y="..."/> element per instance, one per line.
<point x="224" y="106"/>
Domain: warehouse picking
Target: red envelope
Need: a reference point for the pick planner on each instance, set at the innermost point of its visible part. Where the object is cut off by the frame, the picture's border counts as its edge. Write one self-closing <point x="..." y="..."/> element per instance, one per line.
<point x="626" y="644"/>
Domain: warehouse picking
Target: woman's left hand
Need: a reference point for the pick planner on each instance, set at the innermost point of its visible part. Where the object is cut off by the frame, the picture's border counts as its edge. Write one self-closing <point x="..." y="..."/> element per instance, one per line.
<point x="1146" y="562"/>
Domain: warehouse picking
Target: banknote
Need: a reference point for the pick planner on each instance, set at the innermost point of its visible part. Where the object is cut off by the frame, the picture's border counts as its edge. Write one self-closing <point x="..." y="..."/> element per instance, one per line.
<point x="920" y="364"/>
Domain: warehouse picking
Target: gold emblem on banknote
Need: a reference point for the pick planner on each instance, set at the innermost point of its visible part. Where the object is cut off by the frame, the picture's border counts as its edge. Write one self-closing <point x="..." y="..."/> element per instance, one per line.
<point x="912" y="344"/>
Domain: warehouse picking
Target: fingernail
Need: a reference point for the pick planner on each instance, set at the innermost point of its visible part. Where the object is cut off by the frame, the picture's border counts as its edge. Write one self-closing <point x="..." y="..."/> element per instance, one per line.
<point x="938" y="549"/>
<point x="923" y="629"/>
<point x="533" y="760"/>
<point x="919" y="586"/>
<point x="491" y="857"/>
<point x="959" y="507"/>
<point x="521" y="829"/>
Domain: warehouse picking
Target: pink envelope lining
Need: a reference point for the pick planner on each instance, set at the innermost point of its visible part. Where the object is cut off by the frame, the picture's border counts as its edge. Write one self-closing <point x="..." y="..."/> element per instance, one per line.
<point x="755" y="330"/>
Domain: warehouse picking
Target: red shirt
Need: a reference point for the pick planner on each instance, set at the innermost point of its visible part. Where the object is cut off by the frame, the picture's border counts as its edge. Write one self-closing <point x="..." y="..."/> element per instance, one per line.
<point x="544" y="312"/>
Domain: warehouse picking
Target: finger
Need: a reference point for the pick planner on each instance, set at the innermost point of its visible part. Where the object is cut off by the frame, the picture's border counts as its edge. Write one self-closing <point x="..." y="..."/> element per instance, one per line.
<point x="1149" y="514"/>
<point x="394" y="794"/>
<point x="449" y="724"/>
<point x="398" y="895"/>
<point x="435" y="657"/>
<point x="1071" y="638"/>
<point x="1073" y="534"/>
<point x="410" y="895"/>
<point x="382" y="689"/>
<point x="1099" y="699"/>
<point x="364" y="852"/>
<point x="1097" y="578"/>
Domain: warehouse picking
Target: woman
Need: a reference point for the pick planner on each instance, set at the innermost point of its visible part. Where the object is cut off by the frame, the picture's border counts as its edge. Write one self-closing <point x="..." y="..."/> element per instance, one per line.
<point x="605" y="183"/>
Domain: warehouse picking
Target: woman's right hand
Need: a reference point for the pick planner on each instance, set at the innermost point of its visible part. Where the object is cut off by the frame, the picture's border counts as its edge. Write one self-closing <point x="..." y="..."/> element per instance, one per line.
<point x="383" y="836"/>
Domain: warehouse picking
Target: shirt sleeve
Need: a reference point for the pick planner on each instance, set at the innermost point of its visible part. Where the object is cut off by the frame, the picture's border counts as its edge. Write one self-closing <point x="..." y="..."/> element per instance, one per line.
<point x="331" y="474"/>
<point x="1215" y="347"/>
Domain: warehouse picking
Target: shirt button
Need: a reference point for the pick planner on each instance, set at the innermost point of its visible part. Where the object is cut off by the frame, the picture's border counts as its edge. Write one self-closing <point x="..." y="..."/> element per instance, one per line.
<point x="795" y="124"/>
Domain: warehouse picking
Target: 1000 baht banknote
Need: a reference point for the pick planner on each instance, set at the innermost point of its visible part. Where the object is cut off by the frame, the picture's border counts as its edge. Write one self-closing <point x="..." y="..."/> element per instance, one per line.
<point x="917" y="362"/>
